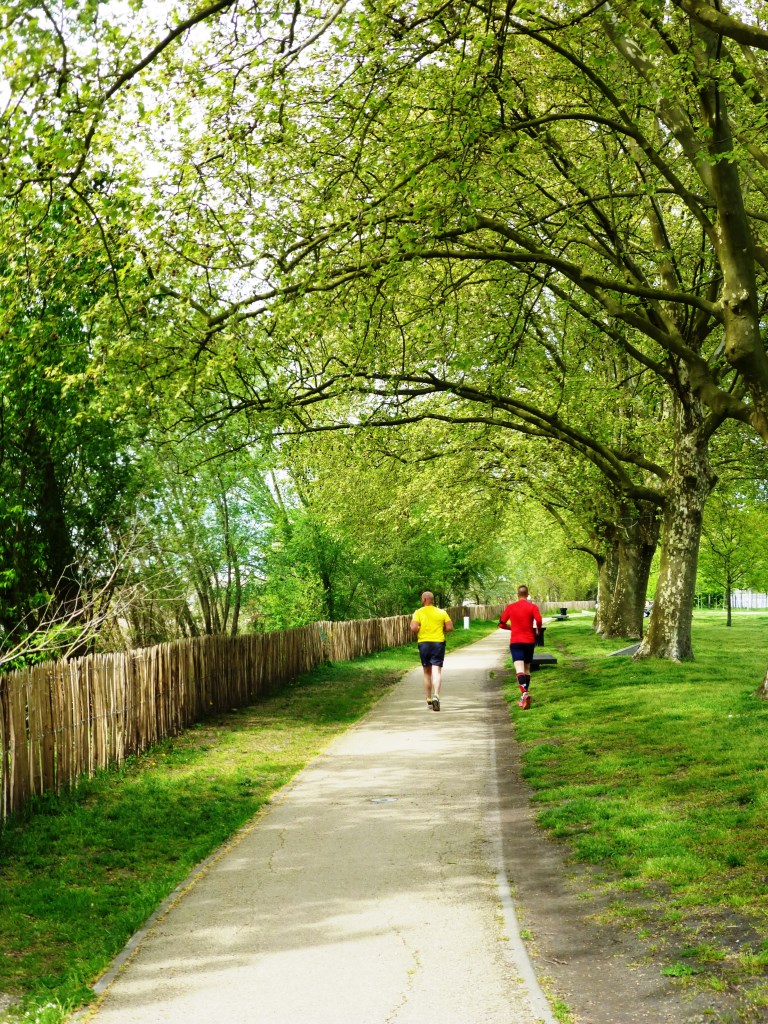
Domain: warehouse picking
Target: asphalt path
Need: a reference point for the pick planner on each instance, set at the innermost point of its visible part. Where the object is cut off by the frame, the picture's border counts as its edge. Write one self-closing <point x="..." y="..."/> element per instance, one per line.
<point x="373" y="890"/>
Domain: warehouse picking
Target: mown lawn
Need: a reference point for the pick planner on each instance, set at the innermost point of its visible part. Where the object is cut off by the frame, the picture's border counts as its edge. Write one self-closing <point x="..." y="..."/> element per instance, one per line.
<point x="658" y="774"/>
<point x="84" y="872"/>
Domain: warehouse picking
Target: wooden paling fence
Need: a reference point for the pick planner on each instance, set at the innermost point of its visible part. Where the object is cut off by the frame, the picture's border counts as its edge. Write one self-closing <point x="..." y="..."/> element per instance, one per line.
<point x="63" y="720"/>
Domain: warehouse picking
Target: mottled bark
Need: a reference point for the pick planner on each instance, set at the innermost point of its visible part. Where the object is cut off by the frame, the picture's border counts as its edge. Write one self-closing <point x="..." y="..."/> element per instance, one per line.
<point x="636" y="540"/>
<point x="733" y="235"/>
<point x="607" y="571"/>
<point x="690" y="483"/>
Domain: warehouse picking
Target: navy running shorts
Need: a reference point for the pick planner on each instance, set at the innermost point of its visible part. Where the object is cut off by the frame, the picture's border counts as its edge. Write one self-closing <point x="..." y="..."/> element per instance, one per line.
<point x="431" y="653"/>
<point x="522" y="652"/>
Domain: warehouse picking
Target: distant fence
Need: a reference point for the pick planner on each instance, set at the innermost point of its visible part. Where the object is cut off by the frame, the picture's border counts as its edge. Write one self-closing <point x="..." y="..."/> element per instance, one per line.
<point x="748" y="599"/>
<point x="346" y="640"/>
<point x="62" y="720"/>
<point x="576" y="606"/>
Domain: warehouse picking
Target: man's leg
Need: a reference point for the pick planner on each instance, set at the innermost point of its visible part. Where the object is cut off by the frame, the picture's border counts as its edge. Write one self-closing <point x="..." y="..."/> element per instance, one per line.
<point x="428" y="683"/>
<point x="522" y="671"/>
<point x="437" y="675"/>
<point x="523" y="677"/>
<point x="527" y="683"/>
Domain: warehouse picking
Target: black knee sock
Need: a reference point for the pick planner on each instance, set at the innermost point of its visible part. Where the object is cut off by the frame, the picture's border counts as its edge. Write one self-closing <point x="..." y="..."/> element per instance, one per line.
<point x="521" y="682"/>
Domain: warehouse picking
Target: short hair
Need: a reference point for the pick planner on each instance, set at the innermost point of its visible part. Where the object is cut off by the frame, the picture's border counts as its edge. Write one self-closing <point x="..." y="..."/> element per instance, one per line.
<point x="522" y="590"/>
<point x="427" y="596"/>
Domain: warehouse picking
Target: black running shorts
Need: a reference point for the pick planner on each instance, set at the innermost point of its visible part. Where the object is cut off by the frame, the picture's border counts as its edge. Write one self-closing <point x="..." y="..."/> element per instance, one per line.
<point x="431" y="653"/>
<point x="522" y="652"/>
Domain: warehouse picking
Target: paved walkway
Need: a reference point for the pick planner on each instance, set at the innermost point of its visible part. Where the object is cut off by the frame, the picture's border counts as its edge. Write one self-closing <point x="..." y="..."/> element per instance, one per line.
<point x="370" y="892"/>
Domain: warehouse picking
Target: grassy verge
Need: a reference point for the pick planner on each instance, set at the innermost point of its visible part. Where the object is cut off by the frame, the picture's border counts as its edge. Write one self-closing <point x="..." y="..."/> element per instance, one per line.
<point x="658" y="774"/>
<point x="87" y="869"/>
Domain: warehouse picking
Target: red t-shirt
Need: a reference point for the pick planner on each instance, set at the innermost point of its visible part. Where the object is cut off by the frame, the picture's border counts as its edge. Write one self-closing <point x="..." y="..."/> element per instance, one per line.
<point x="521" y="616"/>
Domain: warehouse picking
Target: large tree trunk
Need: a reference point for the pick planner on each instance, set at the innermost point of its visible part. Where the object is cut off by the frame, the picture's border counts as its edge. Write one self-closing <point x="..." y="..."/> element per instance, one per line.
<point x="636" y="541"/>
<point x="607" y="571"/>
<point x="689" y="486"/>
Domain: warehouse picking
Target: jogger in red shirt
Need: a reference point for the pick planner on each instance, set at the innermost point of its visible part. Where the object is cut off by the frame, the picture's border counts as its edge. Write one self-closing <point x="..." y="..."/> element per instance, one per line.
<point x="523" y="619"/>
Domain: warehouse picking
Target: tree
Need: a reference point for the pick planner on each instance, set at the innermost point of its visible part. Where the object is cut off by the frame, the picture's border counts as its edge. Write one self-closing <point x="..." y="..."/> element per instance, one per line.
<point x="203" y="521"/>
<point x="68" y="468"/>
<point x="735" y="542"/>
<point x="620" y="535"/>
<point x="624" y="190"/>
<point x="730" y="555"/>
<point x="610" y="235"/>
<point x="371" y="521"/>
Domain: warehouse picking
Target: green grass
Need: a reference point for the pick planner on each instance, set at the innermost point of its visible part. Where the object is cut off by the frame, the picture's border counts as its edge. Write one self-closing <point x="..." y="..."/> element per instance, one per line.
<point x="658" y="774"/>
<point x="655" y="773"/>
<point x="85" y="870"/>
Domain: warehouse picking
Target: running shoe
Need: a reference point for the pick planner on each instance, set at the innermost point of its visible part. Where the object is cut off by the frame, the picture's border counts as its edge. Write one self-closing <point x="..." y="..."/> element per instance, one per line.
<point x="525" y="701"/>
<point x="435" y="703"/>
